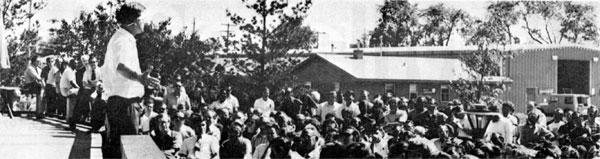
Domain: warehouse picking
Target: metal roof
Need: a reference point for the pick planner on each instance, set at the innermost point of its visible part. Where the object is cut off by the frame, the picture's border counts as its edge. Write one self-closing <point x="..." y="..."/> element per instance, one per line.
<point x="452" y="49"/>
<point x="402" y="68"/>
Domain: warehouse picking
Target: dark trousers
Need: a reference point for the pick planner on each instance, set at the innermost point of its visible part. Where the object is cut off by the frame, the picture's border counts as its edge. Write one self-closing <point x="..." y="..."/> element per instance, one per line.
<point x="50" y="96"/>
<point x="61" y="105"/>
<point x="82" y="107"/>
<point x="98" y="114"/>
<point x="122" y="116"/>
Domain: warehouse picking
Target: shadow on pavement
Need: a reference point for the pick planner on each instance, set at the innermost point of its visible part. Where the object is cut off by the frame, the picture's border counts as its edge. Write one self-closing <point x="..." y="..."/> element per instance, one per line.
<point x="81" y="146"/>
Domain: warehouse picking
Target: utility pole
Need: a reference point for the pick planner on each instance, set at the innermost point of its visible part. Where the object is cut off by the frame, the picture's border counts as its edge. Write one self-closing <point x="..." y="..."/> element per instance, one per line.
<point x="227" y="35"/>
<point x="29" y="27"/>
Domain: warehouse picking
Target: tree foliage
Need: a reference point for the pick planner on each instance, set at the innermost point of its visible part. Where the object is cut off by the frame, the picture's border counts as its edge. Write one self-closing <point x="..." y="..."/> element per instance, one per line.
<point x="270" y="40"/>
<point x="20" y="42"/>
<point x="88" y="33"/>
<point x="403" y="24"/>
<point x="179" y="54"/>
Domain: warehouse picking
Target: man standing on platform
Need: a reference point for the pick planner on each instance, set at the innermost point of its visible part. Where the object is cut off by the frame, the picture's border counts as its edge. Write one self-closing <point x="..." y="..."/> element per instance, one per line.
<point x="34" y="82"/>
<point x="68" y="88"/>
<point x="122" y="77"/>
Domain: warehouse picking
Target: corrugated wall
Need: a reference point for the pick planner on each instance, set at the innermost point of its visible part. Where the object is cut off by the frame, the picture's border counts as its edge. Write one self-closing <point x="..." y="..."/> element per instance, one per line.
<point x="537" y="69"/>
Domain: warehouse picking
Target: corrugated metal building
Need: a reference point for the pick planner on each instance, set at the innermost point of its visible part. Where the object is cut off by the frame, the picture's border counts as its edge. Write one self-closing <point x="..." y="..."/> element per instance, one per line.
<point x="536" y="72"/>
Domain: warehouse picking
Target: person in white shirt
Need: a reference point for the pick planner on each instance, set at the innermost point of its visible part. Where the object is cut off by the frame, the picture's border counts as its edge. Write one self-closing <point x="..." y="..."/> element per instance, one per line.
<point x="147" y="116"/>
<point x="557" y="121"/>
<point x="69" y="89"/>
<point x="32" y="77"/>
<point x="396" y="114"/>
<point x="264" y="105"/>
<point x="50" y="94"/>
<point x="502" y="126"/>
<point x="176" y="98"/>
<point x="122" y="76"/>
<point x="330" y="107"/>
<point x="349" y="104"/>
<point x="232" y="100"/>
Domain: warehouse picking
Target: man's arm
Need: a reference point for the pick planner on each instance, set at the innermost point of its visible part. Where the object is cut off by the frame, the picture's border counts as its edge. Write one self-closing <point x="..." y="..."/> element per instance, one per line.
<point x="144" y="78"/>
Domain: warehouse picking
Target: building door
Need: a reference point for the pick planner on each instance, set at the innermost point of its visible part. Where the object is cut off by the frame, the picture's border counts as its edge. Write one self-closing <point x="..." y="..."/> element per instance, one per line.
<point x="532" y="94"/>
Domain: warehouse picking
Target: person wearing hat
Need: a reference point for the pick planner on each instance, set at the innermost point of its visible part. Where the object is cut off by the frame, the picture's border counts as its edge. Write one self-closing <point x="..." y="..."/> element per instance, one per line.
<point x="178" y="98"/>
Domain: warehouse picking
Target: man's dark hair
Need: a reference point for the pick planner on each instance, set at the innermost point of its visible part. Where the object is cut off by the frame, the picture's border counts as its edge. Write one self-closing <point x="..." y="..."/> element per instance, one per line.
<point x="33" y="59"/>
<point x="129" y="12"/>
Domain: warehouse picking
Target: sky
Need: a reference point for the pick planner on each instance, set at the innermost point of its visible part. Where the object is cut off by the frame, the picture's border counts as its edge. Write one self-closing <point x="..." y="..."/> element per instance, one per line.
<point x="340" y="22"/>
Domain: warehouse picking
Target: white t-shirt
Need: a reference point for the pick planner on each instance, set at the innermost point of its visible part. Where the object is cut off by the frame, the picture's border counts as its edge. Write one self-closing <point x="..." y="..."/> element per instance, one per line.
<point x="353" y="107"/>
<point x="504" y="127"/>
<point x="233" y="102"/>
<point x="325" y="109"/>
<point x="554" y="126"/>
<point x="121" y="49"/>
<point x="264" y="107"/>
<point x="67" y="77"/>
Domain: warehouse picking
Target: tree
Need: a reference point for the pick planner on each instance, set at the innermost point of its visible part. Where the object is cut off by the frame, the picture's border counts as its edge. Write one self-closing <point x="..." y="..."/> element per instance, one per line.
<point x="88" y="33"/>
<point x="16" y="13"/>
<point x="402" y="24"/>
<point x="270" y="40"/>
<point x="398" y="25"/>
<point x="575" y="22"/>
<point x="496" y="29"/>
<point x="181" y="54"/>
<point x="440" y="22"/>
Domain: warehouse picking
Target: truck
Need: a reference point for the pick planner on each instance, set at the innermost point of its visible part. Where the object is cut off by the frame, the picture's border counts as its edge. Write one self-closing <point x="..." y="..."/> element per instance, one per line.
<point x="577" y="102"/>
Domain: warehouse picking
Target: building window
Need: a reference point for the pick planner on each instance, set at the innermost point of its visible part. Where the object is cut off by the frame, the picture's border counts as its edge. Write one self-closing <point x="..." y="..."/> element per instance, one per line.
<point x="336" y="86"/>
<point x="389" y="87"/>
<point x="412" y="91"/>
<point x="445" y="93"/>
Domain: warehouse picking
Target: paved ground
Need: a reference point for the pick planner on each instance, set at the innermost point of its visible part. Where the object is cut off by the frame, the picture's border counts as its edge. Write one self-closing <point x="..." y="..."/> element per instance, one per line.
<point x="26" y="137"/>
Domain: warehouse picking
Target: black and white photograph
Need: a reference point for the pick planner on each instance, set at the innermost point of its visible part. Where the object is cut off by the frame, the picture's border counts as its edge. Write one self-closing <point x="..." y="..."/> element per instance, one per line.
<point x="299" y="79"/>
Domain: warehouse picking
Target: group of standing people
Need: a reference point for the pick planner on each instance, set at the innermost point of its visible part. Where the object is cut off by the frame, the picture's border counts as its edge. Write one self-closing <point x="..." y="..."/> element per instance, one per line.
<point x="63" y="88"/>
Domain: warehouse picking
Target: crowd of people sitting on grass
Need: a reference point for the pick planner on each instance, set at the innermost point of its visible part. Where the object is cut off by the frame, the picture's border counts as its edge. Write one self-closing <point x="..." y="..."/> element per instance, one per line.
<point x="210" y="122"/>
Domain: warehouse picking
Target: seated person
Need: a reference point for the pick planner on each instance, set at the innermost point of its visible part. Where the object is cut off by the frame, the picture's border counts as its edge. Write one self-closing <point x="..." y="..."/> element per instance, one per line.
<point x="166" y="139"/>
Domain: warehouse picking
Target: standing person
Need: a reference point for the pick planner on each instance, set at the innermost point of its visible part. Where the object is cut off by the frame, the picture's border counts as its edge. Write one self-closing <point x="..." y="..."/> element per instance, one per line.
<point x="364" y="105"/>
<point x="232" y="100"/>
<point x="61" y="101"/>
<point x="176" y="98"/>
<point x="291" y="105"/>
<point x="264" y="105"/>
<point x="69" y="89"/>
<point x="50" y="90"/>
<point x="34" y="83"/>
<point x="89" y="80"/>
<point x="349" y="104"/>
<point x="330" y="107"/>
<point x="122" y="76"/>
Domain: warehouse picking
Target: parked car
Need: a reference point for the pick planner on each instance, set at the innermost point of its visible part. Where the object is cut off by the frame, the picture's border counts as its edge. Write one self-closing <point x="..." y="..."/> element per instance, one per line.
<point x="577" y="102"/>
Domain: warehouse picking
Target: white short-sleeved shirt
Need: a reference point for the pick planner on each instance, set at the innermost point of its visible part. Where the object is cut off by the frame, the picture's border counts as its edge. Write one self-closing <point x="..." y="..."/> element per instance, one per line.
<point x="51" y="80"/>
<point x="264" y="106"/>
<point x="65" y="81"/>
<point x="121" y="49"/>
